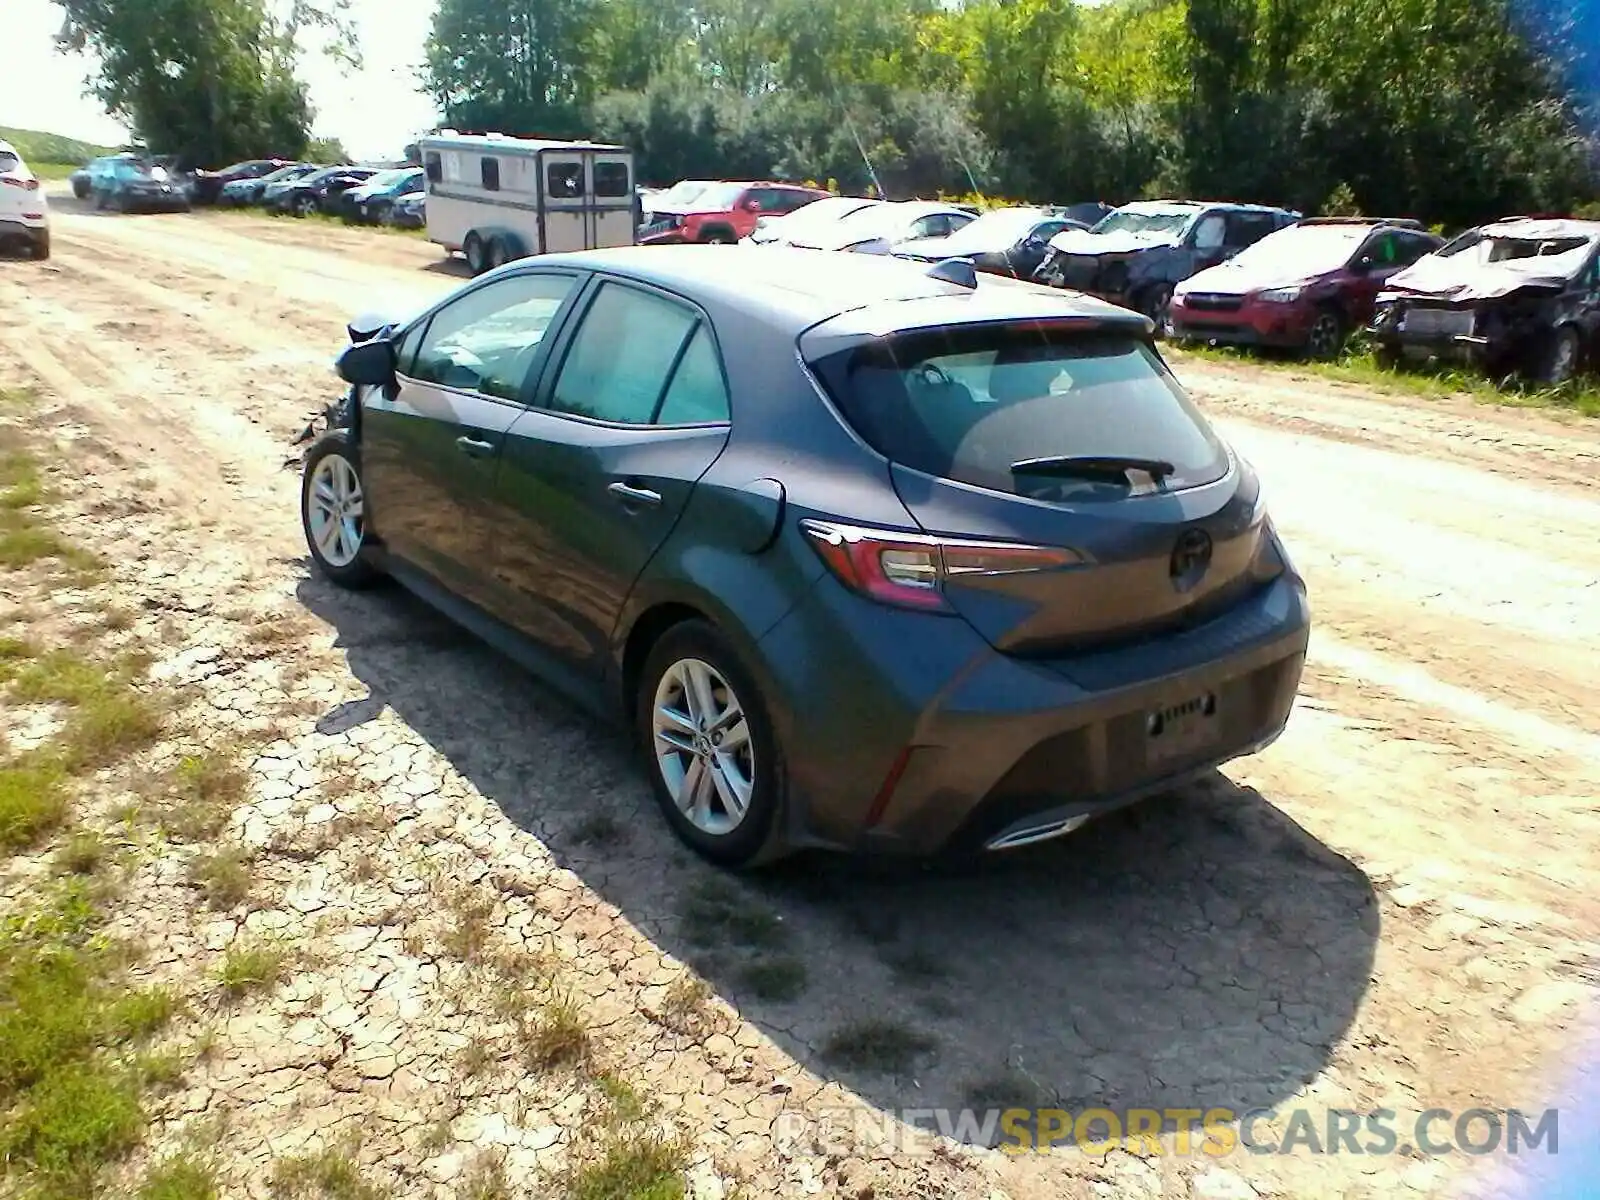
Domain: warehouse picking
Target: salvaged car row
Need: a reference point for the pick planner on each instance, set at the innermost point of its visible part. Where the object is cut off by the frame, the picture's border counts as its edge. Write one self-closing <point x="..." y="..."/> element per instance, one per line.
<point x="1519" y="296"/>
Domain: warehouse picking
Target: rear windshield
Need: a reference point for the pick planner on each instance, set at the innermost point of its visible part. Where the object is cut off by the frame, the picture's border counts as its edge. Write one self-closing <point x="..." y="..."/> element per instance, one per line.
<point x="976" y="405"/>
<point x="9" y="161"/>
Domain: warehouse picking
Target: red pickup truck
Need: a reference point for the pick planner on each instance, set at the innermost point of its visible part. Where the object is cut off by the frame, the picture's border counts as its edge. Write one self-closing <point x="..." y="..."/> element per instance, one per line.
<point x="718" y="212"/>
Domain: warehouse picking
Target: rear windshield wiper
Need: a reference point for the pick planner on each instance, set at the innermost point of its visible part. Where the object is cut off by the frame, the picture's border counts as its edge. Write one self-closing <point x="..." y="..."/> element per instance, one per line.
<point x="1089" y="466"/>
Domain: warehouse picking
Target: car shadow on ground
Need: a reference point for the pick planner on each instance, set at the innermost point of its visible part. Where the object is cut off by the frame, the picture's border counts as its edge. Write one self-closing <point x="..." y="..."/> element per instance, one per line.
<point x="1197" y="951"/>
<point x="451" y="265"/>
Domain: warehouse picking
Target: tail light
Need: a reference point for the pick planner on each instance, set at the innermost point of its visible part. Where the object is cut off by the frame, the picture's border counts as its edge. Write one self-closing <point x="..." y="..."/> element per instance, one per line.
<point x="910" y="570"/>
<point x="27" y="185"/>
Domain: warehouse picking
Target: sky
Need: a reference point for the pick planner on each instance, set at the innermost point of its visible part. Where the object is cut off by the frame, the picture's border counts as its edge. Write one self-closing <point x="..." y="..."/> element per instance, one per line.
<point x="374" y="111"/>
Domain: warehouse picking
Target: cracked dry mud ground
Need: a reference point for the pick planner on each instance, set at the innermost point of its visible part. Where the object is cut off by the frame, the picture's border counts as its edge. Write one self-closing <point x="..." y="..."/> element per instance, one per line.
<point x="1395" y="906"/>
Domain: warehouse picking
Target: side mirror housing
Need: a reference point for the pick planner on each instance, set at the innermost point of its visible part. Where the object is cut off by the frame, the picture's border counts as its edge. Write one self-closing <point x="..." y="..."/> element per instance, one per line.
<point x="1363" y="264"/>
<point x="368" y="364"/>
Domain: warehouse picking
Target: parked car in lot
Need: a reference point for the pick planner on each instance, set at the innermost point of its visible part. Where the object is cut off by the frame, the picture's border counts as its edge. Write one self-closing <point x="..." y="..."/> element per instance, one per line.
<point x="882" y="227"/>
<point x="318" y="191"/>
<point x="367" y="203"/>
<point x="1305" y="287"/>
<point x="208" y="185"/>
<point x="24" y="211"/>
<point x="670" y="199"/>
<point x="128" y="183"/>
<point x="237" y="193"/>
<point x="1140" y="253"/>
<point x="79" y="181"/>
<point x="786" y="230"/>
<point x="1522" y="294"/>
<point x="1003" y="241"/>
<point x="722" y="213"/>
<point x="1001" y="578"/>
<point x="409" y="211"/>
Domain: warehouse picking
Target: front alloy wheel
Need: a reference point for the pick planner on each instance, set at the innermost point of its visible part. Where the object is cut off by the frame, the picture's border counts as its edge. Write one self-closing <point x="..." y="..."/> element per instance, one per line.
<point x="333" y="510"/>
<point x="1326" y="336"/>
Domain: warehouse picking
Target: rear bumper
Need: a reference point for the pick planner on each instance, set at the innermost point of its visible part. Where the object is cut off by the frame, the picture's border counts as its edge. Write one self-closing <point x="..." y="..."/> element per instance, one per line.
<point x="173" y="202"/>
<point x="17" y="232"/>
<point x="914" y="740"/>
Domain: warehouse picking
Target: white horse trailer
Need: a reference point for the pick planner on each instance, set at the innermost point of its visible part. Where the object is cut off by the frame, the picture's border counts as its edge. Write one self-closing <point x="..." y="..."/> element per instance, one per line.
<point x="494" y="198"/>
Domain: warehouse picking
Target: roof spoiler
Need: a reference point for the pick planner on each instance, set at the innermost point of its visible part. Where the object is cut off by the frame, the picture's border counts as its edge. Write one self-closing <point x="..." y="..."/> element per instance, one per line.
<point x="1397" y="222"/>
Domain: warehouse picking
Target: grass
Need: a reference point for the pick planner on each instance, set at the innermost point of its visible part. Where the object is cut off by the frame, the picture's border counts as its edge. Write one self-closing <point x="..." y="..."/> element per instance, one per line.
<point x="1359" y="366"/>
<point x="181" y="1178"/>
<point x="222" y="876"/>
<point x="83" y="853"/>
<point x="556" y="1036"/>
<point x="73" y="1103"/>
<point x="33" y="802"/>
<point x="779" y="979"/>
<point x="718" y="912"/>
<point x="319" y="218"/>
<point x="468" y="932"/>
<point x="880" y="1046"/>
<point x="630" y="1165"/>
<point x="251" y="968"/>
<point x="685" y="1002"/>
<point x="200" y="794"/>
<point x="329" y="1174"/>
<point x="26" y="537"/>
<point x="485" y="1179"/>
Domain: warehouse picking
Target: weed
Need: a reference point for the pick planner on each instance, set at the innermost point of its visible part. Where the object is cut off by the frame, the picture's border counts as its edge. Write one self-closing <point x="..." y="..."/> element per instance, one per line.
<point x="439" y="1136"/>
<point x="685" y="1002"/>
<point x="33" y="801"/>
<point x="779" y="979"/>
<point x="474" y="1058"/>
<point x="877" y="1045"/>
<point x="162" y="1071"/>
<point x="630" y="1165"/>
<point x="139" y="1014"/>
<point x="223" y="877"/>
<point x="201" y="793"/>
<point x="247" y="969"/>
<point x="621" y="1097"/>
<point x="365" y="867"/>
<point x="76" y="1118"/>
<point x="916" y="965"/>
<point x="485" y="1179"/>
<point x="600" y="829"/>
<point x="83" y="853"/>
<point x="331" y="1174"/>
<point x="180" y="1178"/>
<point x="468" y="930"/>
<point x="557" y="1037"/>
<point x="717" y="911"/>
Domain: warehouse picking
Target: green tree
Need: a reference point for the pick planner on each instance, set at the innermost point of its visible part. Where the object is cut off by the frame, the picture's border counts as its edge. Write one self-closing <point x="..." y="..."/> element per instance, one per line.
<point x="209" y="80"/>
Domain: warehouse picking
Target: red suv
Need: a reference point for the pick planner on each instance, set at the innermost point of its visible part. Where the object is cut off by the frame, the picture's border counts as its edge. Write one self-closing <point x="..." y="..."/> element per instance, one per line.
<point x="1305" y="287"/>
<point x="719" y="212"/>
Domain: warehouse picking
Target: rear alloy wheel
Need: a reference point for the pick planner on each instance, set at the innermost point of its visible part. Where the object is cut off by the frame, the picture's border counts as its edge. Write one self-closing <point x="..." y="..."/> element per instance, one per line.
<point x="472" y="250"/>
<point x="714" y="760"/>
<point x="1560" y="361"/>
<point x="304" y="206"/>
<point x="333" y="511"/>
<point x="496" y="255"/>
<point x="1326" y="336"/>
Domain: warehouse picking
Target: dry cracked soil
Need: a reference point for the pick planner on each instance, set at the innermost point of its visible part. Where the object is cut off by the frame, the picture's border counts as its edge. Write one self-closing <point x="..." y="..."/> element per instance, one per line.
<point x="1393" y="907"/>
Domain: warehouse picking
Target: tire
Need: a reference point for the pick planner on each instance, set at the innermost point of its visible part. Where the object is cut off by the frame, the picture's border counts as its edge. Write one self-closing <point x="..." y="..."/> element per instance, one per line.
<point x="496" y="255"/>
<point x="41" y="247"/>
<point x="720" y="237"/>
<point x="472" y="250"/>
<point x="303" y="206"/>
<point x="756" y="837"/>
<point x="1558" y="362"/>
<point x="1155" y="302"/>
<point x="1325" y="338"/>
<point x="81" y="190"/>
<point x="335" y="460"/>
<point x="1387" y="356"/>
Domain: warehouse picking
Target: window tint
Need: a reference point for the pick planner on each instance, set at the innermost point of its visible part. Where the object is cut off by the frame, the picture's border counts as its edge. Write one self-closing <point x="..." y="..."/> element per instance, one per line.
<point x="564" y="181"/>
<point x="967" y="404"/>
<point x="434" y="166"/>
<point x="489" y="169"/>
<point x="405" y="351"/>
<point x="698" y="392"/>
<point x="1209" y="233"/>
<point x="618" y="365"/>
<point x="8" y="160"/>
<point x="1413" y="247"/>
<point x="488" y="340"/>
<point x="936" y="225"/>
<point x="1245" y="229"/>
<point x="610" y="179"/>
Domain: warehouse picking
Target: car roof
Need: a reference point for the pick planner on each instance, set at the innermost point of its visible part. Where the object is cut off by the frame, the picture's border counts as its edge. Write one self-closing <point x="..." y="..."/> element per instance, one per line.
<point x="7" y="146"/>
<point x="1541" y="228"/>
<point x="798" y="288"/>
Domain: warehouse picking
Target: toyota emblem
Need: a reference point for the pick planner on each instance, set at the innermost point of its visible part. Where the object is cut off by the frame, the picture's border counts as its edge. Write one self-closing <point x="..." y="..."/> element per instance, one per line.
<point x="1190" y="558"/>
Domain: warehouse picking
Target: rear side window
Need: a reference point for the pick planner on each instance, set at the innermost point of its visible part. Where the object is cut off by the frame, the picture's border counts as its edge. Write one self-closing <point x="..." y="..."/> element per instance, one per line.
<point x="564" y="181"/>
<point x="985" y="405"/>
<point x="611" y="179"/>
<point x="433" y="167"/>
<point x="9" y="161"/>
<point x="490" y="170"/>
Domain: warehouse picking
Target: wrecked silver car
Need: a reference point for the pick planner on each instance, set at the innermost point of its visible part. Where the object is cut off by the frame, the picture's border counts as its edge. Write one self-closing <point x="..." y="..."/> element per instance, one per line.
<point x="1519" y="296"/>
<point x="1136" y="255"/>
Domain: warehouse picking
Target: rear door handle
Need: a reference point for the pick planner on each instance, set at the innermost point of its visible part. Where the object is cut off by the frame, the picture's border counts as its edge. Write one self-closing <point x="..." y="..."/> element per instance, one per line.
<point x="473" y="447"/>
<point x="629" y="494"/>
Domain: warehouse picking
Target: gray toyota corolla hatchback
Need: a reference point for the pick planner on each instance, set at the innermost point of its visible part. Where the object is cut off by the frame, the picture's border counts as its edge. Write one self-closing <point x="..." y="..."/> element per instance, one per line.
<point x="871" y="555"/>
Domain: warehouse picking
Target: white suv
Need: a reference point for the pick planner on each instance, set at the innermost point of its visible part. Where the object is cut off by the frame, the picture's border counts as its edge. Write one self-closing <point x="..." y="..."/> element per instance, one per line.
<point x="24" y="213"/>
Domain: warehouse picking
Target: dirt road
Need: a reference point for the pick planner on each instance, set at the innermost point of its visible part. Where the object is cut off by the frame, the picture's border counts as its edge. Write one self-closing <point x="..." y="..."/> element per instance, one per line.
<point x="1394" y="907"/>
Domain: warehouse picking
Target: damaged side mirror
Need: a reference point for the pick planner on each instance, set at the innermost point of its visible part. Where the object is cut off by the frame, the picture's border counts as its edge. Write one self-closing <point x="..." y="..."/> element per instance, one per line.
<point x="368" y="364"/>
